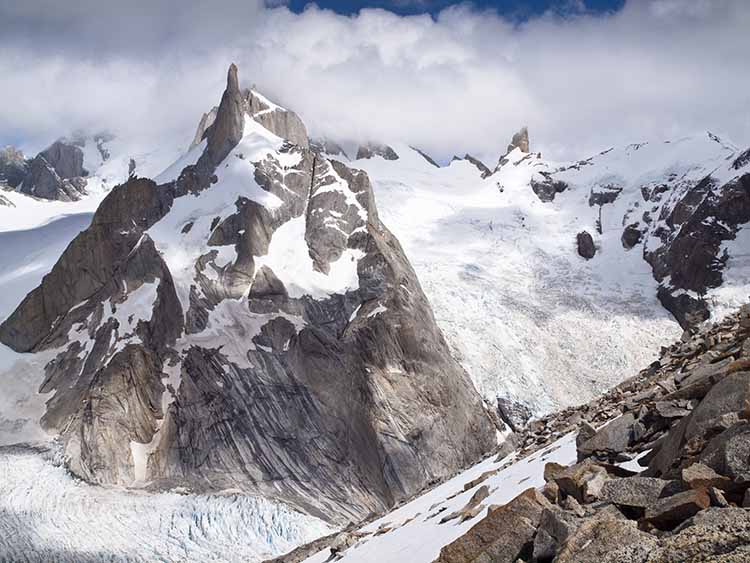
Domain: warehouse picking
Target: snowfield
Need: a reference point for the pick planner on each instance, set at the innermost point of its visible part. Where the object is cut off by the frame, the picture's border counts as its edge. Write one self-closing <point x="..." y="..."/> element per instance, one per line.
<point x="416" y="534"/>
<point x="527" y="317"/>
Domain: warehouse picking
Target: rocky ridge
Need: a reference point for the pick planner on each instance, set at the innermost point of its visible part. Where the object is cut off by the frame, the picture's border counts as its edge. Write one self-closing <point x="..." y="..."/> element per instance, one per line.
<point x="251" y="324"/>
<point x="684" y="420"/>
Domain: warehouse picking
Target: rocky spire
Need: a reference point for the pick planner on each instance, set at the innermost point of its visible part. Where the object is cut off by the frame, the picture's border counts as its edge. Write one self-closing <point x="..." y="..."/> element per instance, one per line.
<point x="226" y="130"/>
<point x="520" y="140"/>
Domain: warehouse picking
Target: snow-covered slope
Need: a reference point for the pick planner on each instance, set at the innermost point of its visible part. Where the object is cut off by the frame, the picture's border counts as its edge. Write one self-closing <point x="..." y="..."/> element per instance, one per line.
<point x="528" y="317"/>
<point x="414" y="532"/>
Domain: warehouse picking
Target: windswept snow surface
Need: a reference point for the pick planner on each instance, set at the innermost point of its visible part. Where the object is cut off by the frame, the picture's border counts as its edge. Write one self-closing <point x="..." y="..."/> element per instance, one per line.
<point x="46" y="515"/>
<point x="417" y="535"/>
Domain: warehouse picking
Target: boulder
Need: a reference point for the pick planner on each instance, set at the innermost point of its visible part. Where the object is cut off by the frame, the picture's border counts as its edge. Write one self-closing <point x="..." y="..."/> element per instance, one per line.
<point x="551" y="492"/>
<point x="671" y="511"/>
<point x="503" y="535"/>
<point x="614" y="438"/>
<point x="634" y="492"/>
<point x="555" y="526"/>
<point x="513" y="413"/>
<point x="606" y="538"/>
<point x="675" y="408"/>
<point x="552" y="470"/>
<point x="730" y="395"/>
<point x="585" y="432"/>
<point x="583" y="481"/>
<point x="723" y="406"/>
<point x="728" y="454"/>
<point x="342" y="542"/>
<point x="699" y="381"/>
<point x="585" y="243"/>
<point x="700" y="476"/>
<point x="712" y="535"/>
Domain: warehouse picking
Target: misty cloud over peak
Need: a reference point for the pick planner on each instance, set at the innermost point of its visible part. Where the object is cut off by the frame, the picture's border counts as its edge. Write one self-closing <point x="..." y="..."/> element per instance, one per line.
<point x="462" y="81"/>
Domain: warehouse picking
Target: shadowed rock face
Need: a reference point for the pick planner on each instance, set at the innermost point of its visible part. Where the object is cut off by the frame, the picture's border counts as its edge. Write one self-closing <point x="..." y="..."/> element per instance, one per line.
<point x="227" y="374"/>
<point x="370" y="150"/>
<point x="690" y="254"/>
<point x="56" y="173"/>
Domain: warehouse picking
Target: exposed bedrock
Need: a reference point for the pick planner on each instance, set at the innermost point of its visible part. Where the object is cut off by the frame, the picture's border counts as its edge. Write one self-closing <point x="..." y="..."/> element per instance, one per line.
<point x="341" y="401"/>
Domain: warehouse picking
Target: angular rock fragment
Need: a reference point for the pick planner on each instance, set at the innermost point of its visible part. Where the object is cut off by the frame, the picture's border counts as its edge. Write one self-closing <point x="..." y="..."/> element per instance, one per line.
<point x="503" y="535"/>
<point x="669" y="512"/>
<point x="636" y="492"/>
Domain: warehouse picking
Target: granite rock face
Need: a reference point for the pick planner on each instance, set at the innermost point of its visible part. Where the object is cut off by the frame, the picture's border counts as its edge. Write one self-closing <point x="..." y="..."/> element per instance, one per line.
<point x="253" y="325"/>
<point x="520" y="140"/>
<point x="689" y="259"/>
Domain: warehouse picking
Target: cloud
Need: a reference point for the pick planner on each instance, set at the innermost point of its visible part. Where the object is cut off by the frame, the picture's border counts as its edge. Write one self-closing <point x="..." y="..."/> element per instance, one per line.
<point x="460" y="82"/>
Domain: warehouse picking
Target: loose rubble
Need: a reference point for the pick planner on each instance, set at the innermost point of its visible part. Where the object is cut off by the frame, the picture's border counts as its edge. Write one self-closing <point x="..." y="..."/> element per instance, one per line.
<point x="663" y="472"/>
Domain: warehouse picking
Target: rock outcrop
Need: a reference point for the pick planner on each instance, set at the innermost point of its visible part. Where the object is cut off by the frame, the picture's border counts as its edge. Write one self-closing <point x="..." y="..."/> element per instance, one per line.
<point x="370" y="150"/>
<point x="481" y="166"/>
<point x="13" y="167"/>
<point x="253" y="325"/>
<point x="546" y="187"/>
<point x="687" y="257"/>
<point x="520" y="141"/>
<point x="585" y="245"/>
<point x="328" y="147"/>
<point x="426" y="156"/>
<point x="56" y="173"/>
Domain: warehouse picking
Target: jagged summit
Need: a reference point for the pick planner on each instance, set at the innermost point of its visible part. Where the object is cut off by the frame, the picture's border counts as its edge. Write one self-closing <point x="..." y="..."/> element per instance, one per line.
<point x="520" y="141"/>
<point x="247" y="321"/>
<point x="370" y="150"/>
<point x="235" y="104"/>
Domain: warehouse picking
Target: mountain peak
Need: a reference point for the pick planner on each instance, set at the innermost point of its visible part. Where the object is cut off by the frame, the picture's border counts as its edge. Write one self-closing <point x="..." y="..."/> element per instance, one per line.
<point x="520" y="140"/>
<point x="226" y="130"/>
